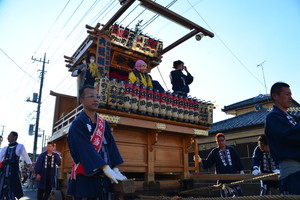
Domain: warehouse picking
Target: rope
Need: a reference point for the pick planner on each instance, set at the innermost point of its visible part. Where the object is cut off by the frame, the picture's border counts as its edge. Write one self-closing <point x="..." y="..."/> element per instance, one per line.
<point x="220" y="186"/>
<point x="266" y="197"/>
<point x="223" y="186"/>
<point x="162" y="77"/>
<point x="253" y="179"/>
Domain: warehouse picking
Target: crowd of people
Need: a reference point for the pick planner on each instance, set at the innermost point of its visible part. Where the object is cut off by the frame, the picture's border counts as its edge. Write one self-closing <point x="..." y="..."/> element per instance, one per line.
<point x="40" y="174"/>
<point x="95" y="155"/>
<point x="277" y="150"/>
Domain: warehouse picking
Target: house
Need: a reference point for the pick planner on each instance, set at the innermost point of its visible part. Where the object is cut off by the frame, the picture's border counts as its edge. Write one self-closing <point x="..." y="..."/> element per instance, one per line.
<point x="243" y="129"/>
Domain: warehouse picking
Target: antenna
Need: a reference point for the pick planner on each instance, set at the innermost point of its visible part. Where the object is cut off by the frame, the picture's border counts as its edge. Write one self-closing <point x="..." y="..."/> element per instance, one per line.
<point x="262" y="69"/>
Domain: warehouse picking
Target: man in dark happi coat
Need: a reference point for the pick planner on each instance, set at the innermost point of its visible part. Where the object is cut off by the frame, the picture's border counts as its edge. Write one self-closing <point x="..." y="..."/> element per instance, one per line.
<point x="262" y="161"/>
<point x="283" y="133"/>
<point x="94" y="152"/>
<point x="45" y="170"/>
<point x="10" y="175"/>
<point x="227" y="161"/>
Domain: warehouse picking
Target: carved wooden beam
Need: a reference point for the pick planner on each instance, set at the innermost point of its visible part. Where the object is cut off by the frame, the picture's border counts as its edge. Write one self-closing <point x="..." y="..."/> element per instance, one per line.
<point x="112" y="126"/>
<point x="152" y="138"/>
<point x="172" y="16"/>
<point x="188" y="142"/>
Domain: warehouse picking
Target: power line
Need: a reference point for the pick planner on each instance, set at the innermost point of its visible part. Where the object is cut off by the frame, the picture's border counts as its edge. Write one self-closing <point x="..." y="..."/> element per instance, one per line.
<point x="109" y="11"/>
<point x="52" y="27"/>
<point x="105" y="8"/>
<point x="129" y="13"/>
<point x="232" y="53"/>
<point x="18" y="65"/>
<point x="88" y="11"/>
<point x="156" y="16"/>
<point x="65" y="24"/>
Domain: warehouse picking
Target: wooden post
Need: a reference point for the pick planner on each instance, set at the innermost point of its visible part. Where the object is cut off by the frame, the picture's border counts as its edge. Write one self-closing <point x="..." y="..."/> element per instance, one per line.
<point x="187" y="142"/>
<point x="152" y="139"/>
<point x="196" y="155"/>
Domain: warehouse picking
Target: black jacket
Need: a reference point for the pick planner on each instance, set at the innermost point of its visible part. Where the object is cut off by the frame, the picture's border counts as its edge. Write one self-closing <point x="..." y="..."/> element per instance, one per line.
<point x="283" y="134"/>
<point x="181" y="82"/>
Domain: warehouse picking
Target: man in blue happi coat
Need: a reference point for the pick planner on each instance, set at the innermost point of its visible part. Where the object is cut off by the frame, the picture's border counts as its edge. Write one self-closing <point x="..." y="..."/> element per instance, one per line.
<point x="45" y="170"/>
<point x="283" y="133"/>
<point x="10" y="176"/>
<point x="94" y="152"/>
<point x="262" y="162"/>
<point x="226" y="161"/>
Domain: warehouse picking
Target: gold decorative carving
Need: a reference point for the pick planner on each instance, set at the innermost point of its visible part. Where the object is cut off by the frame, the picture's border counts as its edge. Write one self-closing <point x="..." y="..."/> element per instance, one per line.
<point x="161" y="126"/>
<point x="200" y="132"/>
<point x="111" y="118"/>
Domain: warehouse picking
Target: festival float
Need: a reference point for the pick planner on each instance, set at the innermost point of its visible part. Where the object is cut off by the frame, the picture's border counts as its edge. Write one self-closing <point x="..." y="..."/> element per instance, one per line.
<point x="155" y="130"/>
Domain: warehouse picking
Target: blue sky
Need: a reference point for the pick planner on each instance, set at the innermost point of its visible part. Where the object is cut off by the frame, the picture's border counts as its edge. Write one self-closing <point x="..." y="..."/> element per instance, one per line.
<point x="224" y="67"/>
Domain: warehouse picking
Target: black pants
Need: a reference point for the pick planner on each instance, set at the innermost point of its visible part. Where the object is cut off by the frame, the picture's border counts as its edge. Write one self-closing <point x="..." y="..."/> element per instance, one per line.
<point x="290" y="185"/>
<point x="232" y="191"/>
<point x="43" y="194"/>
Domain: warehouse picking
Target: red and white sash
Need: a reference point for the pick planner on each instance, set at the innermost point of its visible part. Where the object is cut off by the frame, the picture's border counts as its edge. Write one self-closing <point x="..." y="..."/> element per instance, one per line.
<point x="96" y="140"/>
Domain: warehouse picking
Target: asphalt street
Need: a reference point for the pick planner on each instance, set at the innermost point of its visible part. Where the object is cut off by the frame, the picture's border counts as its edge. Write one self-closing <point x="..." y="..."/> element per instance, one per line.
<point x="29" y="193"/>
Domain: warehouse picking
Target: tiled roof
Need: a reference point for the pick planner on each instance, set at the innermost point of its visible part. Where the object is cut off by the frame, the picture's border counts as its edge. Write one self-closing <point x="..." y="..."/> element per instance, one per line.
<point x="252" y="118"/>
<point x="251" y="101"/>
<point x="294" y="111"/>
<point x="249" y="119"/>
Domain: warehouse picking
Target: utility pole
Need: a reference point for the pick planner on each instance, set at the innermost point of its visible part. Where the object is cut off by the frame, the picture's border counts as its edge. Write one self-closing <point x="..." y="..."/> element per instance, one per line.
<point x="2" y="130"/>
<point x="1" y="137"/>
<point x="262" y="69"/>
<point x="43" y="140"/>
<point x="38" y="107"/>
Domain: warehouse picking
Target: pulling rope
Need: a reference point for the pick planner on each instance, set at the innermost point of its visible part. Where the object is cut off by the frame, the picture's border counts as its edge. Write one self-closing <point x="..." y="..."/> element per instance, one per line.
<point x="266" y="197"/>
<point x="223" y="186"/>
<point x="252" y="179"/>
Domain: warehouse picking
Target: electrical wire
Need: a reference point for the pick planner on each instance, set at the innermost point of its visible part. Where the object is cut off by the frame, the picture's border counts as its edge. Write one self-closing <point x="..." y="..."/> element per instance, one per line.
<point x="108" y="11"/>
<point x="162" y="77"/>
<point x="226" y="46"/>
<point x="129" y="13"/>
<point x="59" y="46"/>
<point x="52" y="27"/>
<point x="102" y="11"/>
<point x="156" y="15"/>
<point x="17" y="65"/>
<point x="59" y="32"/>
<point x="136" y="17"/>
<point x="43" y="42"/>
<point x="88" y="11"/>
<point x="71" y="32"/>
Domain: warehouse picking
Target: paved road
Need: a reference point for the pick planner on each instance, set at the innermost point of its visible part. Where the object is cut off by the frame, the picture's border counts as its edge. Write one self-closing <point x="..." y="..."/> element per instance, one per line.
<point x="29" y="193"/>
<point x="32" y="193"/>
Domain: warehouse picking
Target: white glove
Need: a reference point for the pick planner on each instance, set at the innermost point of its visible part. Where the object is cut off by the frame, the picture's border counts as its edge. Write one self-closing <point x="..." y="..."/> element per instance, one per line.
<point x="110" y="174"/>
<point x="242" y="172"/>
<point x="120" y="176"/>
<point x="199" y="159"/>
<point x="275" y="170"/>
<point x="256" y="172"/>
